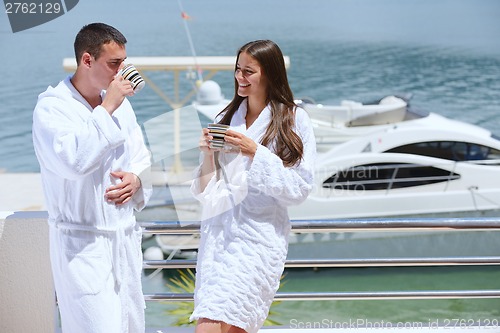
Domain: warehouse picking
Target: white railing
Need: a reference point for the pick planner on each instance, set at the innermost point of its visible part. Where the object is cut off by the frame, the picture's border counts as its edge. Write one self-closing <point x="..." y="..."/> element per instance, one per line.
<point x="372" y="225"/>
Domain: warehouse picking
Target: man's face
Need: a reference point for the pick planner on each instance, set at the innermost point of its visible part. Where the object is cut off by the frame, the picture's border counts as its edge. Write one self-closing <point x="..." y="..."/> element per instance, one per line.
<point x="108" y="64"/>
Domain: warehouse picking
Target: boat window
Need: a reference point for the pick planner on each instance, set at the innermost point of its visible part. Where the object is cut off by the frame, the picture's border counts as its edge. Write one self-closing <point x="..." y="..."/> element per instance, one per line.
<point x="386" y="176"/>
<point x="450" y="150"/>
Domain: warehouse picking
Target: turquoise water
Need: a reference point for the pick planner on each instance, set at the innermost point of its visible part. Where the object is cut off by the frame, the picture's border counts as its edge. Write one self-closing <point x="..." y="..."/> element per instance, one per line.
<point x="296" y="313"/>
<point x="375" y="245"/>
<point x="445" y="52"/>
<point x="376" y="279"/>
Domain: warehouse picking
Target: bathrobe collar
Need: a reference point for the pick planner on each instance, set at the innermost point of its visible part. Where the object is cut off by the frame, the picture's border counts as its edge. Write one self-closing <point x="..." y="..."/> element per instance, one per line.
<point x="258" y="128"/>
<point x="76" y="94"/>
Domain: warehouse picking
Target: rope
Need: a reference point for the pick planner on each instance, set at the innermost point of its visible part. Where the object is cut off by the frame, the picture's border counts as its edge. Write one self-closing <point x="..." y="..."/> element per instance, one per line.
<point x="473" y="191"/>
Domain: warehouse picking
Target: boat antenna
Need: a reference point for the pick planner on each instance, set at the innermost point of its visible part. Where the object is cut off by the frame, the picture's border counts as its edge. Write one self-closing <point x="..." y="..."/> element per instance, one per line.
<point x="185" y="18"/>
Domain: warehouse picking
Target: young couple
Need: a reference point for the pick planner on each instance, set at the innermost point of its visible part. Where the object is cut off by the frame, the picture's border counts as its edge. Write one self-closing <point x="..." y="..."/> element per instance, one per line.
<point x="94" y="165"/>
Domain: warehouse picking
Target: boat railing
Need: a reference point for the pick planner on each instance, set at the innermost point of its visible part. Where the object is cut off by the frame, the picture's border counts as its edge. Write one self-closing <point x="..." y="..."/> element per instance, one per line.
<point x="356" y="225"/>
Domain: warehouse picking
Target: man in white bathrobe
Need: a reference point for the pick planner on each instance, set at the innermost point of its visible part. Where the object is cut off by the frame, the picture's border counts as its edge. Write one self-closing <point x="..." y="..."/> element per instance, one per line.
<point x="94" y="167"/>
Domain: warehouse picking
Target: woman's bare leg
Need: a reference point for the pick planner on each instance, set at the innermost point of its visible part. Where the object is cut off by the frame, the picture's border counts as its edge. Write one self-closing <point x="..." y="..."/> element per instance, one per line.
<point x="205" y="325"/>
<point x="234" y="329"/>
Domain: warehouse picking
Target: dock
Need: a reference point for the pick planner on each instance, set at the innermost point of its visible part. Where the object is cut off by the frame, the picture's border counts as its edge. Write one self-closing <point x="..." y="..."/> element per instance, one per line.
<point x="20" y="192"/>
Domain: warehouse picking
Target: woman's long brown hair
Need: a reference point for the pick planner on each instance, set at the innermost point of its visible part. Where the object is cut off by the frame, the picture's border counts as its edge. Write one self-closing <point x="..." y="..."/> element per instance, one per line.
<point x="287" y="144"/>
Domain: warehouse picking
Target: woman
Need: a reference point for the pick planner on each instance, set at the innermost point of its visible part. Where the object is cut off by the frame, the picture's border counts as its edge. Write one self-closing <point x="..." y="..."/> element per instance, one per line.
<point x="245" y="188"/>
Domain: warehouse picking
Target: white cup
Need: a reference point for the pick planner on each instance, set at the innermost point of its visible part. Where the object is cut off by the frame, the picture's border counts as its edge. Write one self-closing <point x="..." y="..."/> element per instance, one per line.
<point x="129" y="72"/>
<point x="218" y="131"/>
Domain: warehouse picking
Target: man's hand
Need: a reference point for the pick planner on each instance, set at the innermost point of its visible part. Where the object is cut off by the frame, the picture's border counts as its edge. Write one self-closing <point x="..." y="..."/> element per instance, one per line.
<point x="123" y="192"/>
<point x="116" y="92"/>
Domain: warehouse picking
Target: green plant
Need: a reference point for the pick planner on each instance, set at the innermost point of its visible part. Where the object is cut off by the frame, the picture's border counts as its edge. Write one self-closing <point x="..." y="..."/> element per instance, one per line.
<point x="185" y="284"/>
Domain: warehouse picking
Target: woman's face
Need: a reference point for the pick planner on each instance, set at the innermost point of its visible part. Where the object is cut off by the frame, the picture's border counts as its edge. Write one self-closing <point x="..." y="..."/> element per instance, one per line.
<point x="252" y="82"/>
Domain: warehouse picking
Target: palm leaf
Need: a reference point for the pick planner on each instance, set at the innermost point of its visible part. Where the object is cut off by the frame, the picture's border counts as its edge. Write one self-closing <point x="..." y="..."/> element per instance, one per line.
<point x="185" y="283"/>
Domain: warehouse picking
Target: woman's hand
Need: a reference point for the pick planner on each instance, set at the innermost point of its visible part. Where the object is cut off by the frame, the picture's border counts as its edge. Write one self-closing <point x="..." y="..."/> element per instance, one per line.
<point x="207" y="167"/>
<point x="243" y="143"/>
<point x="204" y="144"/>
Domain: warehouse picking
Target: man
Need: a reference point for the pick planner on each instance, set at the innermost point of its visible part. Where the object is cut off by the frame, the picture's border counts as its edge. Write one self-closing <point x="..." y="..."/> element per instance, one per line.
<point x="93" y="165"/>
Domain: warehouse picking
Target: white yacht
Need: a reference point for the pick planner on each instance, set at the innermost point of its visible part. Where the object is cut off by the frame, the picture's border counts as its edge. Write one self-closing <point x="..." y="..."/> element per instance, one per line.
<point x="445" y="166"/>
<point x="335" y="124"/>
<point x="386" y="159"/>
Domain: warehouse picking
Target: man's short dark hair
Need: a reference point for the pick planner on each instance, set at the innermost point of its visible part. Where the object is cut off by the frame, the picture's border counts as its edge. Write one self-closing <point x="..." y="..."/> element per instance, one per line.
<point x="93" y="36"/>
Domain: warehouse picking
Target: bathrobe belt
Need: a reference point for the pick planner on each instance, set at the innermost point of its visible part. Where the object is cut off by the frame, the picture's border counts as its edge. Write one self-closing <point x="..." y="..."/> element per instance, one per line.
<point x="118" y="258"/>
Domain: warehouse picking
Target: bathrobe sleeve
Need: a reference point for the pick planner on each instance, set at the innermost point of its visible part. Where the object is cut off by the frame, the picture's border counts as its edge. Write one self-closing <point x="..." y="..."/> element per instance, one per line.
<point x="73" y="149"/>
<point x="195" y="188"/>
<point x="196" y="191"/>
<point x="141" y="167"/>
<point x="288" y="185"/>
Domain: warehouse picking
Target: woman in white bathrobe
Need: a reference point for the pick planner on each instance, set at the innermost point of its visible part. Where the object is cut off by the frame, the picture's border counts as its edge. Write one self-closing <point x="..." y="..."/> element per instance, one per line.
<point x="245" y="188"/>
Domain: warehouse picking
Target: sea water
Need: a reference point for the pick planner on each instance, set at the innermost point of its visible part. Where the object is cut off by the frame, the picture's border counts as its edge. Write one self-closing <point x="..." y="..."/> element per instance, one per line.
<point x="445" y="52"/>
<point x="358" y="313"/>
<point x="333" y="313"/>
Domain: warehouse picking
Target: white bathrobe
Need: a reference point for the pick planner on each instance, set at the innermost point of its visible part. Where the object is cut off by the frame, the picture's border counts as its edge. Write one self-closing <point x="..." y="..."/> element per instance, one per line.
<point x="95" y="245"/>
<point x="245" y="226"/>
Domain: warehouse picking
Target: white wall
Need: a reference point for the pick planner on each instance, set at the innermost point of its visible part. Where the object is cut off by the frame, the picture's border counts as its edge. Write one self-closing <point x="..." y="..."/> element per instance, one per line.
<point x="27" y="298"/>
